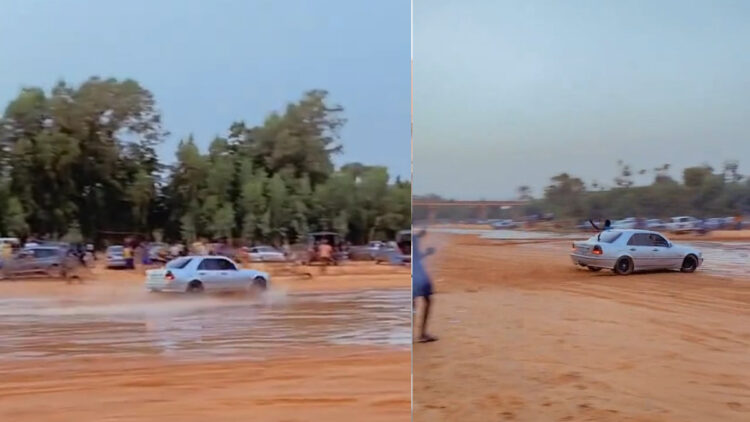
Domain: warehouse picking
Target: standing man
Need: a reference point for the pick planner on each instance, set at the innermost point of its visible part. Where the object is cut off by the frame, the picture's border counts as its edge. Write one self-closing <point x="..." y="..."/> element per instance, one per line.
<point x="325" y="253"/>
<point x="127" y="253"/>
<point x="421" y="285"/>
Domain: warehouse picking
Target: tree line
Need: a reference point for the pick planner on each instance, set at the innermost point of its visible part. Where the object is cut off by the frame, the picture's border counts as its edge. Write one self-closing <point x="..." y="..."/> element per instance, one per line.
<point x="701" y="191"/>
<point x="80" y="162"/>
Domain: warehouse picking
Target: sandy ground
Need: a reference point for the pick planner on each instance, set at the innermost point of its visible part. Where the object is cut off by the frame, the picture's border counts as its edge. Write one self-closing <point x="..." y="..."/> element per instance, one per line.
<point x="526" y="336"/>
<point x="331" y="384"/>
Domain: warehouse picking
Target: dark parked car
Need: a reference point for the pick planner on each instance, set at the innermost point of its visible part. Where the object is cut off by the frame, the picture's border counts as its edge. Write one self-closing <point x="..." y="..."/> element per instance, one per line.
<point x="50" y="260"/>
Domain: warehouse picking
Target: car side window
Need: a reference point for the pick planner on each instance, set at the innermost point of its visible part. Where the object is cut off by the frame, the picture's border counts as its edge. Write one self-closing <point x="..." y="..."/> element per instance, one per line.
<point x="657" y="240"/>
<point x="226" y="265"/>
<point x="43" y="253"/>
<point x="638" y="239"/>
<point x="209" y="264"/>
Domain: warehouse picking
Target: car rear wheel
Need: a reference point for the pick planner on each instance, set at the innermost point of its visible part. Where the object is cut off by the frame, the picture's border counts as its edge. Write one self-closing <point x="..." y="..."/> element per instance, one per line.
<point x="54" y="271"/>
<point x="195" y="286"/>
<point x="689" y="264"/>
<point x="624" y="266"/>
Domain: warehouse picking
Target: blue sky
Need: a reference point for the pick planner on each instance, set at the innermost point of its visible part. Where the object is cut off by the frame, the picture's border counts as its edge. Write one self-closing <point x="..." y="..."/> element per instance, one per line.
<point x="210" y="63"/>
<point x="510" y="93"/>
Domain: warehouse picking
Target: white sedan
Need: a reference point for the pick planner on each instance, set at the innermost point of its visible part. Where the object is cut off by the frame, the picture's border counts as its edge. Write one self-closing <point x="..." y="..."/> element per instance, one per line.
<point x="266" y="254"/>
<point x="625" y="251"/>
<point x="195" y="274"/>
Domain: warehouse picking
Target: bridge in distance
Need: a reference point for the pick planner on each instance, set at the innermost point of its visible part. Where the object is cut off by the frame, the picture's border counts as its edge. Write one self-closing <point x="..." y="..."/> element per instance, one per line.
<point x="482" y="206"/>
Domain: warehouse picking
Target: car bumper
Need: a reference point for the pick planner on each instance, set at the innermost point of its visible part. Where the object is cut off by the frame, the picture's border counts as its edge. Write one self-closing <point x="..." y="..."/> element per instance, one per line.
<point x="164" y="287"/>
<point x="592" y="261"/>
<point x="117" y="263"/>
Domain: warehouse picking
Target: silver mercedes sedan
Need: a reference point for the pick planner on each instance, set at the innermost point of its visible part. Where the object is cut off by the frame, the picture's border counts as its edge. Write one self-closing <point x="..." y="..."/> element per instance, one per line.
<point x="195" y="274"/>
<point x="626" y="251"/>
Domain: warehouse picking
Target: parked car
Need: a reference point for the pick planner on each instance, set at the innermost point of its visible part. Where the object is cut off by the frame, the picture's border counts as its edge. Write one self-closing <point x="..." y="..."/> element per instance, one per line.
<point x="506" y="224"/>
<point x="199" y="273"/>
<point x="626" y="251"/>
<point x="684" y="224"/>
<point x="397" y="252"/>
<point x="50" y="260"/>
<point x="367" y="252"/>
<point x="266" y="254"/>
<point x="116" y="257"/>
<point x="713" y="223"/>
<point x="625" y="223"/>
<point x="584" y="225"/>
<point x="655" y="224"/>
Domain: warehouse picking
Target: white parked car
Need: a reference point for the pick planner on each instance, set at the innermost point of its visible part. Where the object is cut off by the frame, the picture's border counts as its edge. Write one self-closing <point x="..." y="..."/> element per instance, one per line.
<point x="266" y="254"/>
<point x="683" y="224"/>
<point x="625" y="251"/>
<point x="195" y="274"/>
<point x="625" y="223"/>
<point x="504" y="225"/>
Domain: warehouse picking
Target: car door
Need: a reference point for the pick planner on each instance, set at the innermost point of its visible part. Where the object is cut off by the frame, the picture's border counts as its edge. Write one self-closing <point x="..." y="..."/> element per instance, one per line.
<point x="660" y="252"/>
<point x="39" y="260"/>
<point x="209" y="272"/>
<point x="232" y="277"/>
<point x="255" y="254"/>
<point x="671" y="256"/>
<point x="24" y="262"/>
<point x="640" y="248"/>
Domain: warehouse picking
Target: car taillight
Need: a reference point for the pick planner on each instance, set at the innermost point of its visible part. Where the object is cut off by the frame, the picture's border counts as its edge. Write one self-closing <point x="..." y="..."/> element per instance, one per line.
<point x="597" y="250"/>
<point x="169" y="276"/>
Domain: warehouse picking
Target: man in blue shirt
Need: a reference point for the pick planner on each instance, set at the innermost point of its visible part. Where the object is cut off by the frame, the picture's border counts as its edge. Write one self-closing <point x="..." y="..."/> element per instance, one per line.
<point x="421" y="284"/>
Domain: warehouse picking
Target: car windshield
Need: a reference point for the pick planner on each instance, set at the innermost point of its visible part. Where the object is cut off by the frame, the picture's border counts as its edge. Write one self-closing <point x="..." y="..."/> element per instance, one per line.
<point x="606" y="237"/>
<point x="178" y="263"/>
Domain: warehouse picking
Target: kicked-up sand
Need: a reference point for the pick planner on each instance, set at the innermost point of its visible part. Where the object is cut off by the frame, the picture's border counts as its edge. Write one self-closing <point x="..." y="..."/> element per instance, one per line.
<point x="526" y="336"/>
<point x="334" y="347"/>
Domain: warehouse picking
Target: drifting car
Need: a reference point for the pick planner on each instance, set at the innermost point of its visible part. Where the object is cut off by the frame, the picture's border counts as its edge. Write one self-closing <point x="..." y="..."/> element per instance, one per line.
<point x="199" y="273"/>
<point x="626" y="251"/>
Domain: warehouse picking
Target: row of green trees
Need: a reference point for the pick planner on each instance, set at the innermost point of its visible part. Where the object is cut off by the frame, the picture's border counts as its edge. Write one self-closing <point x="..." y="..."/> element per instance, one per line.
<point x="701" y="192"/>
<point x="81" y="161"/>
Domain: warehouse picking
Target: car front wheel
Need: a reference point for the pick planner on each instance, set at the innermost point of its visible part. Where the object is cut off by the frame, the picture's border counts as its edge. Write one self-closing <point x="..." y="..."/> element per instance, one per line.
<point x="258" y="285"/>
<point x="689" y="264"/>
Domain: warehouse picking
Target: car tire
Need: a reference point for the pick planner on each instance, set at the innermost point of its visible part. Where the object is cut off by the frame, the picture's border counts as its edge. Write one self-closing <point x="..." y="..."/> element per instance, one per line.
<point x="195" y="286"/>
<point x="624" y="266"/>
<point x="594" y="269"/>
<point x="258" y="285"/>
<point x="54" y="271"/>
<point x="689" y="264"/>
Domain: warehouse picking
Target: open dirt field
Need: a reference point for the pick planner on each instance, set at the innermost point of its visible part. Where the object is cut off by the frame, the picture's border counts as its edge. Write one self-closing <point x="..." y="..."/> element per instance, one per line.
<point x="526" y="336"/>
<point x="334" y="348"/>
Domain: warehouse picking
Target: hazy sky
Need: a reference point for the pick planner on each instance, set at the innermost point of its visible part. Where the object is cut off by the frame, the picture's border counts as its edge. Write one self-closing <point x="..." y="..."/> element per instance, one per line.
<point x="210" y="63"/>
<point x="511" y="93"/>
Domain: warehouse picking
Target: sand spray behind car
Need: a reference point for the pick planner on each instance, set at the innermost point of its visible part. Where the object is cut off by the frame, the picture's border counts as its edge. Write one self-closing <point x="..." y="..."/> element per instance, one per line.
<point x="140" y="304"/>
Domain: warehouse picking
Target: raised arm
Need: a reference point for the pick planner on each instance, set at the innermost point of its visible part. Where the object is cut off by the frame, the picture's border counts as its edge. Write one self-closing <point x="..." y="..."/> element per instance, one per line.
<point x="594" y="225"/>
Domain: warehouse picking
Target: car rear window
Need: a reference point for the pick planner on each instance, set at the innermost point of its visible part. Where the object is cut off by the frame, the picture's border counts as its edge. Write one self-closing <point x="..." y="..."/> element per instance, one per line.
<point x="607" y="236"/>
<point x="179" y="263"/>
